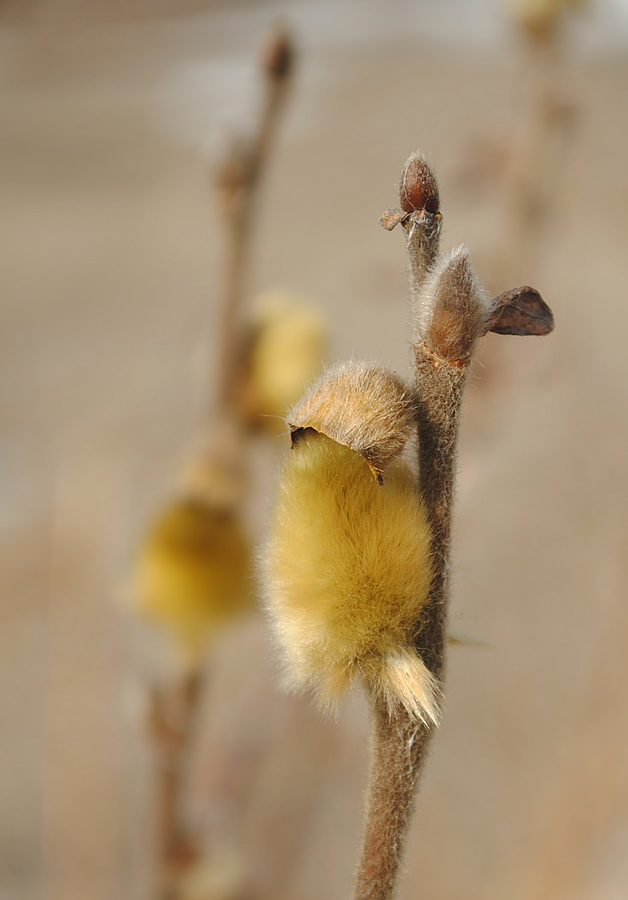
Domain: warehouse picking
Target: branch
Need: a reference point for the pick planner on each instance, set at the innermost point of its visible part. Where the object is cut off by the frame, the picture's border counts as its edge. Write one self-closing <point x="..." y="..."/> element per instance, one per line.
<point x="238" y="182"/>
<point x="217" y="479"/>
<point x="451" y="313"/>
<point x="172" y="718"/>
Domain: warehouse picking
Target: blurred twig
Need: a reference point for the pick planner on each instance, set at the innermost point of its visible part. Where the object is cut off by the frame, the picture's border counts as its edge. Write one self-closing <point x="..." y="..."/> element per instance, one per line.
<point x="531" y="177"/>
<point x="238" y="181"/>
<point x="172" y="716"/>
<point x="527" y="166"/>
<point x="217" y="478"/>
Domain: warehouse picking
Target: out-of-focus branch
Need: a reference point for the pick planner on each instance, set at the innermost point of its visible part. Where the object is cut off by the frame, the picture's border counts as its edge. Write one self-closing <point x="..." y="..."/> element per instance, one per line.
<point x="545" y="124"/>
<point x="172" y="718"/>
<point x="238" y="181"/>
<point x="214" y="484"/>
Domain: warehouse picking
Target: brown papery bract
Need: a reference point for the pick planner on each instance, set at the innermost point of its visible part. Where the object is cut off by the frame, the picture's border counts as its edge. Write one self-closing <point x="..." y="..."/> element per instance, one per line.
<point x="375" y="417"/>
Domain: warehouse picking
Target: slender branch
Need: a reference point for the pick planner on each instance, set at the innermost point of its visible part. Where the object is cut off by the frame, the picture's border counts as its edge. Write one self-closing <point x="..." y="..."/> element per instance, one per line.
<point x="399" y="742"/>
<point x="397" y="748"/>
<point x="450" y="314"/>
<point x="173" y="718"/>
<point x="239" y="180"/>
<point x="543" y="136"/>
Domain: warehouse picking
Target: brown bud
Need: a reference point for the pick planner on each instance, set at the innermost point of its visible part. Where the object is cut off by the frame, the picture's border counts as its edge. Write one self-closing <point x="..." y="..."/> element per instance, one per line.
<point x="418" y="190"/>
<point x="361" y="406"/>
<point x="520" y="311"/>
<point x="278" y="54"/>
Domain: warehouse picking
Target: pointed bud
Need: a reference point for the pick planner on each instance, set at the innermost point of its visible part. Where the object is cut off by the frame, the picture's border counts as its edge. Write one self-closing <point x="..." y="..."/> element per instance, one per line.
<point x="453" y="311"/>
<point x="278" y="55"/>
<point x="418" y="189"/>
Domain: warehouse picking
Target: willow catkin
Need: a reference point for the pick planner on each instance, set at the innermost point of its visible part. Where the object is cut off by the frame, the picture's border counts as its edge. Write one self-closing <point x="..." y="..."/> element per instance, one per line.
<point x="287" y="345"/>
<point x="348" y="564"/>
<point x="192" y="574"/>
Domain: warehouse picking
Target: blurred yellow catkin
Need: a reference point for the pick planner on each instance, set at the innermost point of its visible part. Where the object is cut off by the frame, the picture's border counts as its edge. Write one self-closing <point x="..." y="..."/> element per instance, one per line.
<point x="348" y="564"/>
<point x="288" y="344"/>
<point x="541" y="18"/>
<point x="192" y="574"/>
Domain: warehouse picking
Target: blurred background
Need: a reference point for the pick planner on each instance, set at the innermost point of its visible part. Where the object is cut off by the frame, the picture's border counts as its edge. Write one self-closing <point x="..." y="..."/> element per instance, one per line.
<point x="114" y="114"/>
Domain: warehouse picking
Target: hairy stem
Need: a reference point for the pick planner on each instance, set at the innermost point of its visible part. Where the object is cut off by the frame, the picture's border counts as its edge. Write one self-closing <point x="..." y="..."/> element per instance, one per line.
<point x="451" y="313"/>
<point x="439" y="396"/>
<point x="447" y="323"/>
<point x="399" y="743"/>
<point x="423" y="236"/>
<point x="397" y="750"/>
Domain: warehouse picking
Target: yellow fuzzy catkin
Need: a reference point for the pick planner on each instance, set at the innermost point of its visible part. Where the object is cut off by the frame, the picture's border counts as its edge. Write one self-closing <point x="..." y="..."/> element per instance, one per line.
<point x="541" y="17"/>
<point x="288" y="346"/>
<point x="192" y="575"/>
<point x="348" y="572"/>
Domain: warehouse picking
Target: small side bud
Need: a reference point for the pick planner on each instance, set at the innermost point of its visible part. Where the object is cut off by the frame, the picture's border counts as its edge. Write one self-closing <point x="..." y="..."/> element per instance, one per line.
<point x="278" y="55"/>
<point x="361" y="406"/>
<point x="454" y="310"/>
<point x="418" y="189"/>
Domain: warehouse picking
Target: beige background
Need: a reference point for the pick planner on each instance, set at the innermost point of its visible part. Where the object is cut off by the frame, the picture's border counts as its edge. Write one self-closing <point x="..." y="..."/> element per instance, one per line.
<point x="110" y="118"/>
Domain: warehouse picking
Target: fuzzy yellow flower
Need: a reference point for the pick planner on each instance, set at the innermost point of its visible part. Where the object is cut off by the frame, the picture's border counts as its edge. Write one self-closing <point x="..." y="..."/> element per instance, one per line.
<point x="192" y="574"/>
<point x="288" y="344"/>
<point x="541" y="17"/>
<point x="348" y="564"/>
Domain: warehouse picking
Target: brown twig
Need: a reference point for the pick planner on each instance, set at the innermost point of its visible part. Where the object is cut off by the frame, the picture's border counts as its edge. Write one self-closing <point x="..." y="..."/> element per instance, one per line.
<point x="451" y="314"/>
<point x="172" y="720"/>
